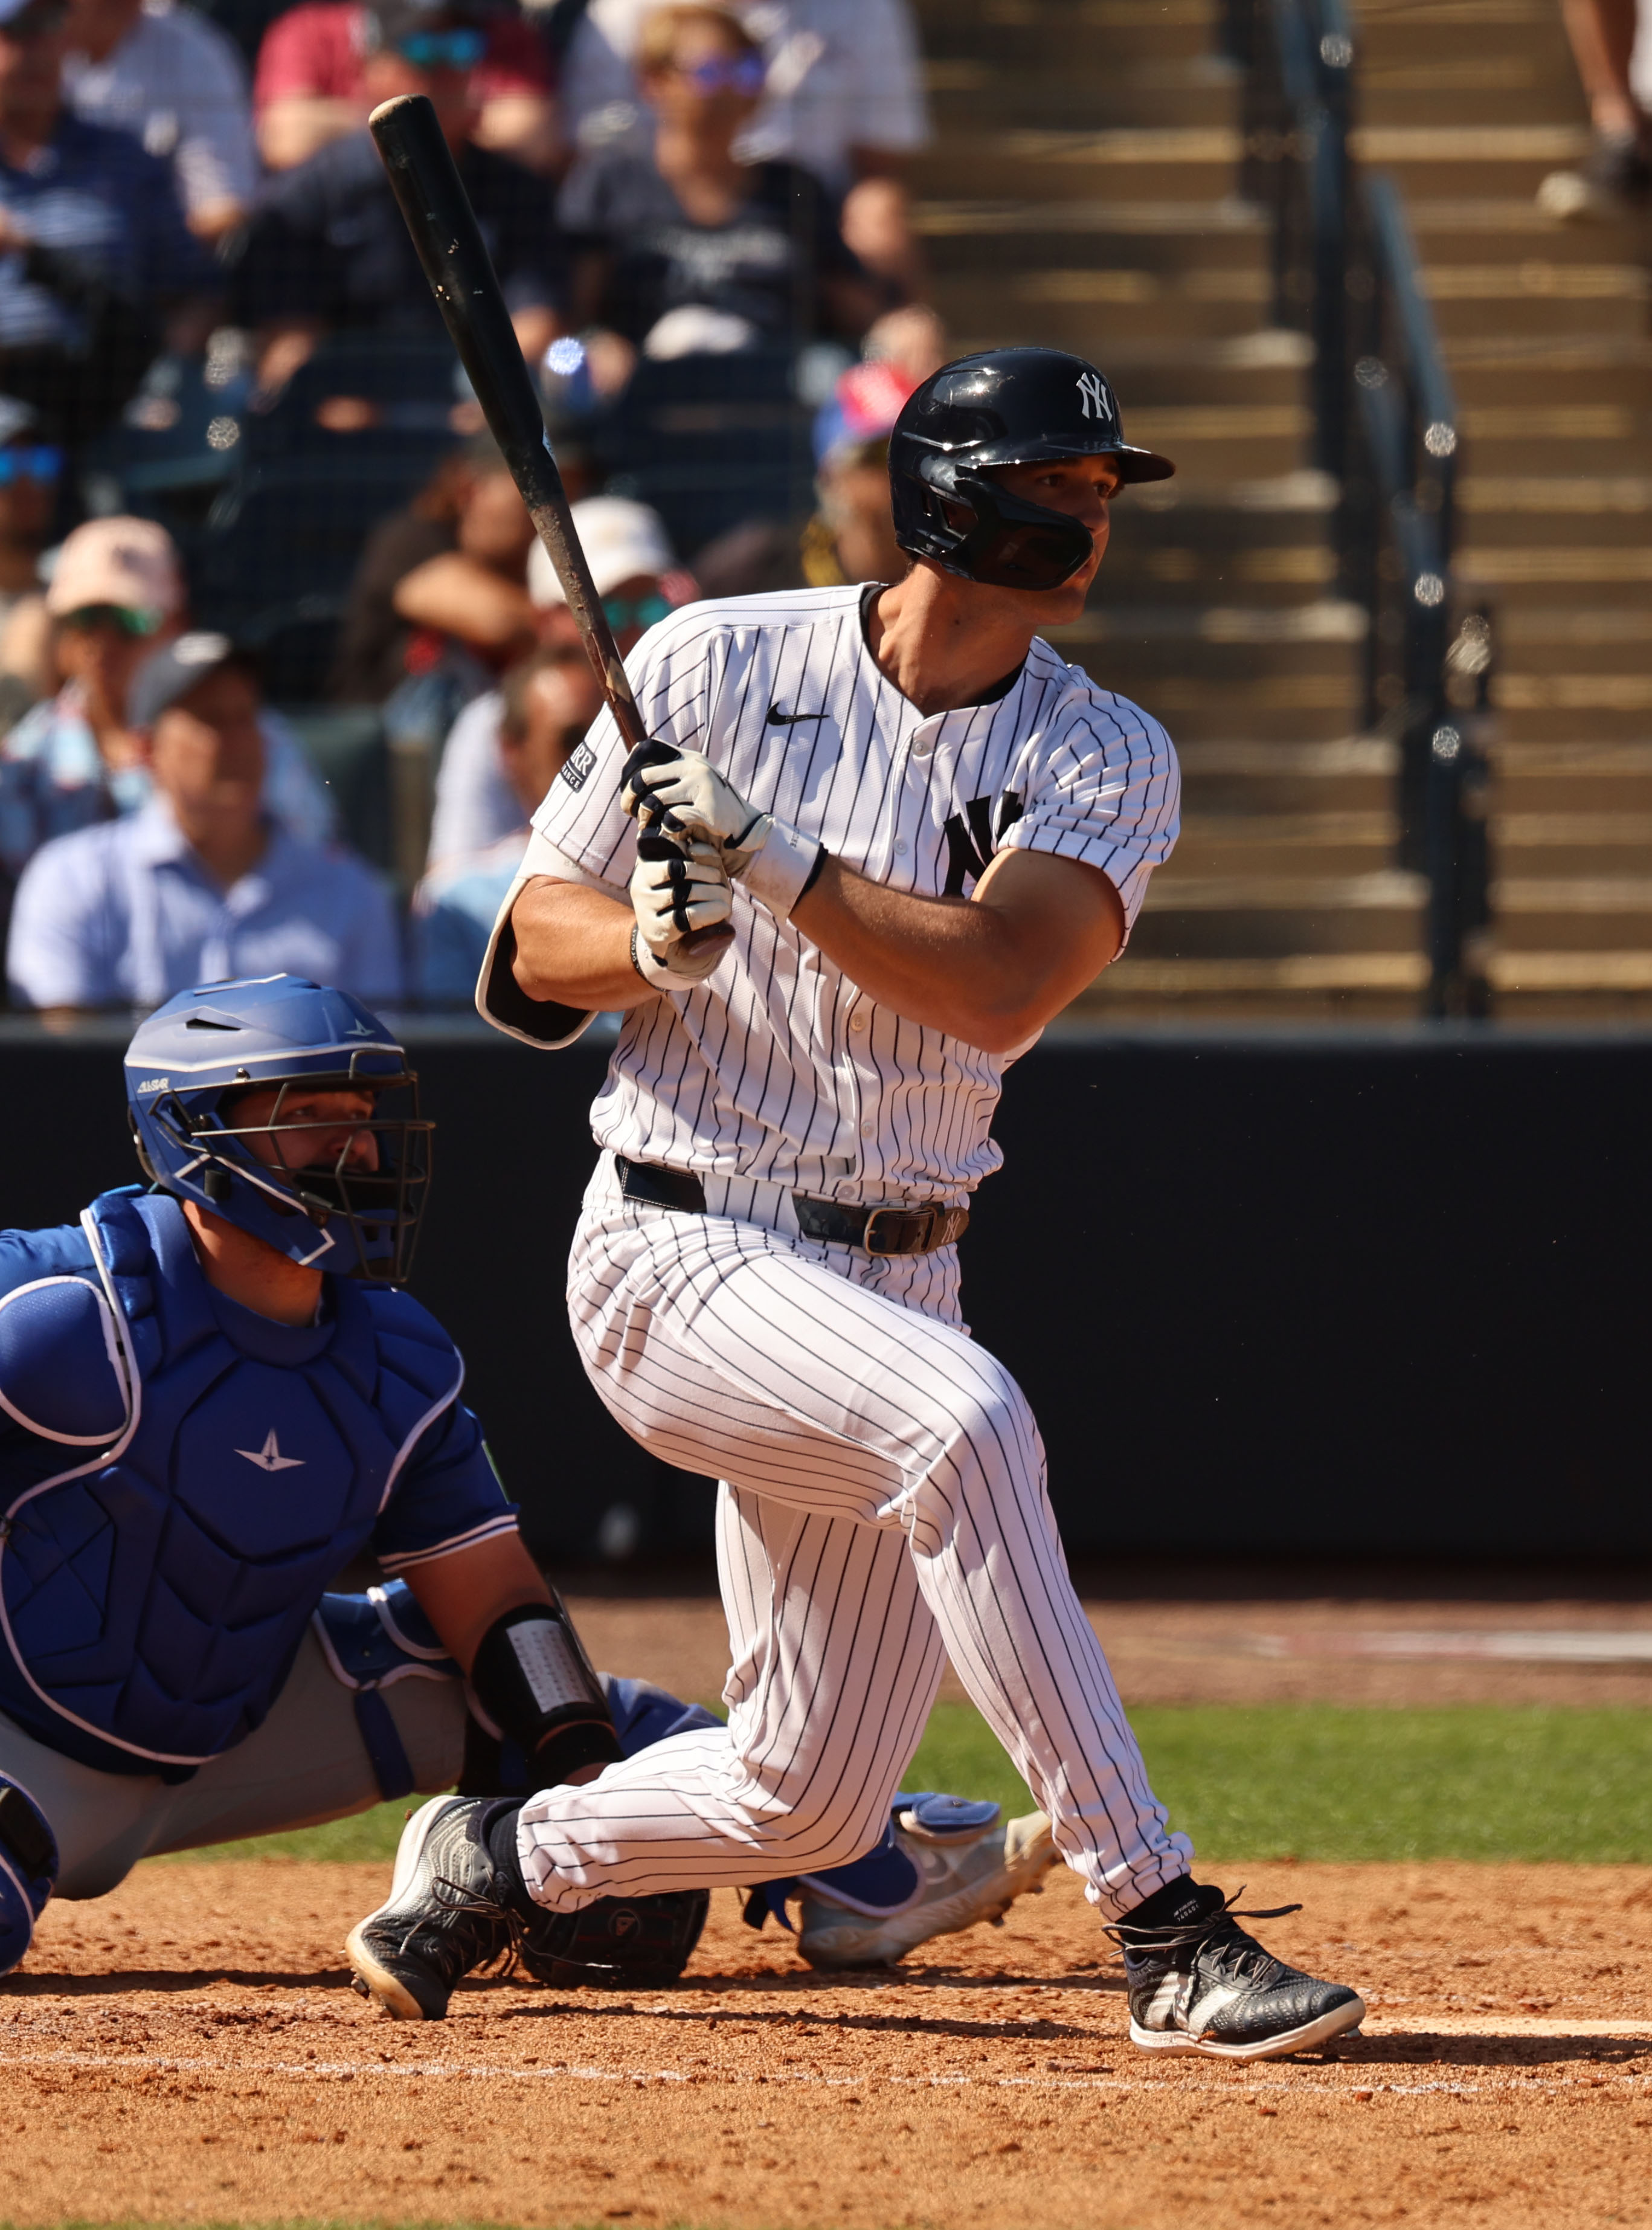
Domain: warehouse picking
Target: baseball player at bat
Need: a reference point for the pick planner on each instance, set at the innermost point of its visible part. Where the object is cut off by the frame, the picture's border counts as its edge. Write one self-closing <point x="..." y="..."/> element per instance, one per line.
<point x="928" y="832"/>
<point x="213" y="1394"/>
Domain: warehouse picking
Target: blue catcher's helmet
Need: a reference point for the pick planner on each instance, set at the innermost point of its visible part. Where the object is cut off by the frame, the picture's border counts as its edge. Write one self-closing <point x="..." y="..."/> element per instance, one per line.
<point x="355" y="1210"/>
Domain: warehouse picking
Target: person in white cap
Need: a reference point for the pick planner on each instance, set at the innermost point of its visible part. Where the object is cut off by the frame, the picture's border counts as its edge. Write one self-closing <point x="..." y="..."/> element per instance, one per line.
<point x="116" y="591"/>
<point x="635" y="575"/>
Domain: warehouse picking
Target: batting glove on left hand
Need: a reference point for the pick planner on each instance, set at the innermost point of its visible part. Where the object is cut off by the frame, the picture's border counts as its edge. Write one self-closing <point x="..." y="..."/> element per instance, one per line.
<point x="678" y="892"/>
<point x="682" y="792"/>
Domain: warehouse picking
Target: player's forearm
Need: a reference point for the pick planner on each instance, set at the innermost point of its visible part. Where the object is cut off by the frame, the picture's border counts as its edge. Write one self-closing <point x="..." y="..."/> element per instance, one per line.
<point x="992" y="969"/>
<point x="463" y="1593"/>
<point x="573" y="947"/>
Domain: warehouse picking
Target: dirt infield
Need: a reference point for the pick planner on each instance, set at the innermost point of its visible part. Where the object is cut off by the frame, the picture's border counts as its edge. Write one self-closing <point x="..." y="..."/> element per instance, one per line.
<point x="186" y="2049"/>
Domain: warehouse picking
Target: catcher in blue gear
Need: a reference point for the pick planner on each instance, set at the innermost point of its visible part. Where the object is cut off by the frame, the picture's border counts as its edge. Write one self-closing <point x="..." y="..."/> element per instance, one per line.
<point x="213" y="1395"/>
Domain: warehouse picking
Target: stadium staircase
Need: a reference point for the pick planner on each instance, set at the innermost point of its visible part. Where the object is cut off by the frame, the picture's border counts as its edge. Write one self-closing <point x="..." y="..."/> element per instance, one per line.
<point x="1083" y="189"/>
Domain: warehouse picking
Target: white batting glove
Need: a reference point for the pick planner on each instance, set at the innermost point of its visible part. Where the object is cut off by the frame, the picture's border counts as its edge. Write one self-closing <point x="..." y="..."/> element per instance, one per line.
<point x="678" y="890"/>
<point x="682" y="792"/>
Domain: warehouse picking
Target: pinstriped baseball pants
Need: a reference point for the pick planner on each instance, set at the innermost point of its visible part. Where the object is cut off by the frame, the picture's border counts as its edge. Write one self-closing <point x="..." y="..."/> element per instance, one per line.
<point x="882" y="1507"/>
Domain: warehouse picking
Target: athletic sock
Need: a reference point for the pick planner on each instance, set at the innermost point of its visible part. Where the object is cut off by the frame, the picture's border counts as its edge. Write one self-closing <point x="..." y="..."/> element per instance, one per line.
<point x="499" y="1833"/>
<point x="1176" y="1905"/>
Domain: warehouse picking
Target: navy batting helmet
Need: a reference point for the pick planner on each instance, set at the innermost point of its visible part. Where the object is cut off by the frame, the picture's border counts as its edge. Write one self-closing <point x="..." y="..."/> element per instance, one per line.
<point x="1013" y="406"/>
<point x="356" y="1212"/>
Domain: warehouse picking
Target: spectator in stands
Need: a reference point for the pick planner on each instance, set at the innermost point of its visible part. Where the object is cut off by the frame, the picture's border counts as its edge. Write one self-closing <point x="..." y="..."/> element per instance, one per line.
<point x="844" y="98"/>
<point x="443" y="581"/>
<point x="852" y="536"/>
<point x="1617" y="174"/>
<point x="545" y="706"/>
<point x="633" y="571"/>
<point x="201" y="883"/>
<point x="327" y="247"/>
<point x="691" y="248"/>
<point x="314" y="80"/>
<point x="377" y="647"/>
<point x="371" y="658"/>
<point x="116" y="592"/>
<point x="98" y="268"/>
<point x="172" y="79"/>
<point x="474" y="594"/>
<point x="30" y="471"/>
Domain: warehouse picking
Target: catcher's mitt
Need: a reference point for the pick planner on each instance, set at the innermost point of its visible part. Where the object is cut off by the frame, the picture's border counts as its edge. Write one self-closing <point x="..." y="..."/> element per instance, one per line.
<point x="616" y="1942"/>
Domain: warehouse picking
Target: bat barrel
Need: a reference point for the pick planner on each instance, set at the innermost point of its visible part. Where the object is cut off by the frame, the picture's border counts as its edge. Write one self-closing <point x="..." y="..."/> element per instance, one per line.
<point x="442" y="225"/>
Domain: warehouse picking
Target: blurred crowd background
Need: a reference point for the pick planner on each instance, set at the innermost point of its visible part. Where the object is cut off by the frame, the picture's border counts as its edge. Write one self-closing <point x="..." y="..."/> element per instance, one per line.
<point x="282" y="675"/>
<point x="282" y="669"/>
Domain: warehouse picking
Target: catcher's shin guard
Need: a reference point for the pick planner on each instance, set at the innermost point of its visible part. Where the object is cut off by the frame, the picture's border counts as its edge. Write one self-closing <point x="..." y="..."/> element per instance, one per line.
<point x="616" y="1942"/>
<point x="28" y="1871"/>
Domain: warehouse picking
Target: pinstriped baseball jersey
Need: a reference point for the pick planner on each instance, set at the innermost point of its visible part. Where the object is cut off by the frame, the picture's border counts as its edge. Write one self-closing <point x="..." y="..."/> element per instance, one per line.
<point x="778" y="1067"/>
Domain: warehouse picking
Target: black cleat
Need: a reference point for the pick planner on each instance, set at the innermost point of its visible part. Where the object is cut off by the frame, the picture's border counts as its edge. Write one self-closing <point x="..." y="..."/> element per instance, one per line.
<point x="1200" y="1983"/>
<point x="446" y="1914"/>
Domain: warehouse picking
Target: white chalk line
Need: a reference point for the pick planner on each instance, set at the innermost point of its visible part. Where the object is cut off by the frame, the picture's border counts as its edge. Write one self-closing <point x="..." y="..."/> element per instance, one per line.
<point x="350" y="2071"/>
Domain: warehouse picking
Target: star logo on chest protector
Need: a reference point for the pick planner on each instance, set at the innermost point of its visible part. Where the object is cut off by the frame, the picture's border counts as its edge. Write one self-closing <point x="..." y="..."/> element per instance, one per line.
<point x="269" y="1457"/>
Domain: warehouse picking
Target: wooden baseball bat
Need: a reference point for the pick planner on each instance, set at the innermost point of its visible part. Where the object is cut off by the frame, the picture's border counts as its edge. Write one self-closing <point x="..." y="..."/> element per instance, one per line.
<point x="438" y="216"/>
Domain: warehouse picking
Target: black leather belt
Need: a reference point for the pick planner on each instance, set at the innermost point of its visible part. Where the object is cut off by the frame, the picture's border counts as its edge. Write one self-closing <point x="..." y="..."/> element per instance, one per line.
<point x="916" y="1230"/>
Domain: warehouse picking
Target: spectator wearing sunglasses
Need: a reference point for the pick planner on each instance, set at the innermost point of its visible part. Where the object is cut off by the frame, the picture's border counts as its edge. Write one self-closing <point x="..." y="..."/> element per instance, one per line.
<point x="164" y="74"/>
<point x="844" y="97"/>
<point x="202" y="883"/>
<point x="692" y="248"/>
<point x="327" y="249"/>
<point x="98" y="269"/>
<point x="633" y="573"/>
<point x="545" y="705"/>
<point x="312" y="85"/>
<point x="116" y="592"/>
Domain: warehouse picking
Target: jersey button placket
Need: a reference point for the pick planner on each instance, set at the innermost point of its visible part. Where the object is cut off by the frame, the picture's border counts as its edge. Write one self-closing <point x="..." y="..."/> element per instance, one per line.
<point x="911" y="801"/>
<point x="863" y="1077"/>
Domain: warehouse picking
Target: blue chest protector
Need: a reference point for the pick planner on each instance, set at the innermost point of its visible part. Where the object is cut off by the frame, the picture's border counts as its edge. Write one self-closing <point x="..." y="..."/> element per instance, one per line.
<point x="174" y="1500"/>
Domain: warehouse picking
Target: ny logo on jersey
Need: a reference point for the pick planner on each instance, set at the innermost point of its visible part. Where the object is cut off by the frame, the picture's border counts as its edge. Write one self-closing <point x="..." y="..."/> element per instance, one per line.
<point x="972" y="839"/>
<point x="1094" y="399"/>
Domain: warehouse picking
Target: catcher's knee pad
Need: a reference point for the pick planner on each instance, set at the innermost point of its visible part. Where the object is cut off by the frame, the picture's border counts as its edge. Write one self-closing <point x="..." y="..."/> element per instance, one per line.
<point x="617" y="1943"/>
<point x="28" y="1871"/>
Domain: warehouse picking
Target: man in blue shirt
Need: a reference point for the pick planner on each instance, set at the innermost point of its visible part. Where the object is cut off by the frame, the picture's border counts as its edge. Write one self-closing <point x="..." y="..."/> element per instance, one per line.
<point x="212" y="1395"/>
<point x="200" y="883"/>
<point x="97" y="265"/>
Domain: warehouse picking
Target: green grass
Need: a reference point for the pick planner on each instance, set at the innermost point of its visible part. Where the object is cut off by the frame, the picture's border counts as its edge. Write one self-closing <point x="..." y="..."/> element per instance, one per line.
<point x="1323" y="1780"/>
<point x="1312" y="1781"/>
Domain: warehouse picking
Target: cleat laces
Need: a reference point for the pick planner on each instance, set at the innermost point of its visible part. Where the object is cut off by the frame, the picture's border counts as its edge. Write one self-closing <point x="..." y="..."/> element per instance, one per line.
<point x="1217" y="1932"/>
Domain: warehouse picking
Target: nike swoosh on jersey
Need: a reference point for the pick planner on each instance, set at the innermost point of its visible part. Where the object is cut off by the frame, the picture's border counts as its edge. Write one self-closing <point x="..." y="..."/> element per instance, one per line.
<point x="779" y="719"/>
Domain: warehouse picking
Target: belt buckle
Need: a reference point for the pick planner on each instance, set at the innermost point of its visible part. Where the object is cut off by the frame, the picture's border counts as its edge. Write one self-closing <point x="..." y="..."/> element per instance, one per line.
<point x="924" y="1216"/>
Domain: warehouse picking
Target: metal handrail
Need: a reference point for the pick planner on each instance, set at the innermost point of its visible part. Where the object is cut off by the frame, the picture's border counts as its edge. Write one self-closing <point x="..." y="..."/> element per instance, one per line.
<point x="1386" y="431"/>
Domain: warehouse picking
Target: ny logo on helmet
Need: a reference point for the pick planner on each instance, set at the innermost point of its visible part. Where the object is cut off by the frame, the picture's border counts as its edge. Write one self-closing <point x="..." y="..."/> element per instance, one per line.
<point x="1095" y="400"/>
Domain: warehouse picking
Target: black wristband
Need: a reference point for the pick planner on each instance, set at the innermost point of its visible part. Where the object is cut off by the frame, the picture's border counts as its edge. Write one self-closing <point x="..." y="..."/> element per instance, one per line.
<point x="532" y="1680"/>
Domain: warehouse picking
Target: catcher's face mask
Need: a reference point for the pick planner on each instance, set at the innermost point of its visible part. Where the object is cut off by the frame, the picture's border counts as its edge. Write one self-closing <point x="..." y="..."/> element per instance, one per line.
<point x="352" y="1160"/>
